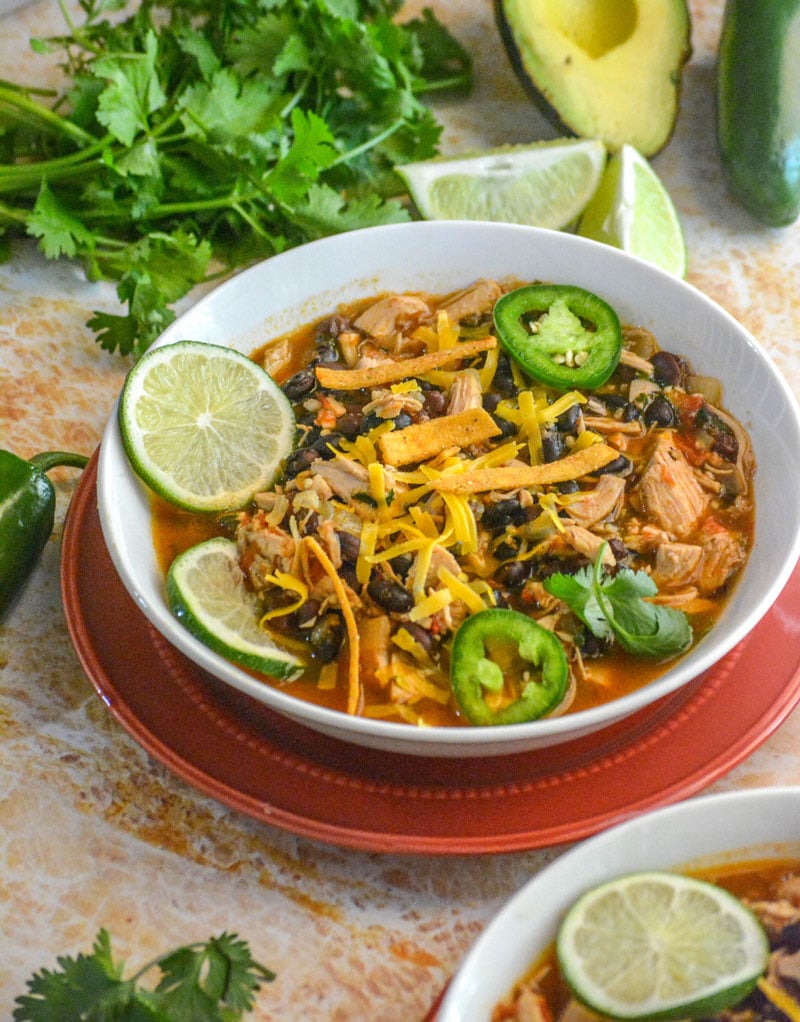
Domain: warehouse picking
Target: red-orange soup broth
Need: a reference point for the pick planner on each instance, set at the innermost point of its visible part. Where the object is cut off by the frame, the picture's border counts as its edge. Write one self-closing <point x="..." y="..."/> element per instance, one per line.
<point x="396" y="543"/>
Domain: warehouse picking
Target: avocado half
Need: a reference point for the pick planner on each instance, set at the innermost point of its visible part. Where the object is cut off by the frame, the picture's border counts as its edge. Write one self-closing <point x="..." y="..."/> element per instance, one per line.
<point x="607" y="69"/>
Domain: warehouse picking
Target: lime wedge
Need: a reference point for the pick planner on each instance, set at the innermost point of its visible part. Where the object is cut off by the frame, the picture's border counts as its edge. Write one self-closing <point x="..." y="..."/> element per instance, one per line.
<point x="632" y="210"/>
<point x="207" y="593"/>
<point x="545" y="184"/>
<point x="660" y="946"/>
<point x="203" y="425"/>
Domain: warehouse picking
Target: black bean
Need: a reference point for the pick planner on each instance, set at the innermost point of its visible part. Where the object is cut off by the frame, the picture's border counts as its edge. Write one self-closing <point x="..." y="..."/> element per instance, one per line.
<point x="553" y="446"/>
<point x="327" y="351"/>
<point x="503" y="381"/>
<point x="660" y="412"/>
<point x="326" y="446"/>
<point x="567" y="422"/>
<point x="347" y="573"/>
<point x="568" y="486"/>
<point x="401" y="565"/>
<point x="506" y="550"/>
<point x="370" y="422"/>
<point x="503" y="513"/>
<point x="726" y="446"/>
<point x="667" y="369"/>
<point x="789" y="937"/>
<point x="302" y="383"/>
<point x="419" y="634"/>
<point x="620" y="466"/>
<point x="311" y="524"/>
<point x="349" y="545"/>
<point x="305" y="614"/>
<point x="491" y="401"/>
<point x="591" y="646"/>
<point x="326" y="638"/>
<point x="618" y="549"/>
<point x="332" y="326"/>
<point x="390" y="595"/>
<point x="435" y="403"/>
<point x="275" y="598"/>
<point x="513" y="573"/>
<point x="506" y="427"/>
<point x="401" y="420"/>
<point x="349" y="424"/>
<point x="613" y="401"/>
<point x="299" y="461"/>
<point x="630" y="413"/>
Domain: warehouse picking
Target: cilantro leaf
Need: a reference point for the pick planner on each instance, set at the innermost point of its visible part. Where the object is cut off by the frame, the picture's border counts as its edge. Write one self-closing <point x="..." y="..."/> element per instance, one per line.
<point x="60" y="231"/>
<point x="86" y="986"/>
<point x="216" y="981"/>
<point x="618" y="605"/>
<point x="134" y="92"/>
<point x="578" y="593"/>
<point x="188" y="133"/>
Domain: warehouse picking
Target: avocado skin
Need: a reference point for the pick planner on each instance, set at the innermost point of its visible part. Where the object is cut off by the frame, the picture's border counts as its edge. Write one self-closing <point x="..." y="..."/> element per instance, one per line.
<point x="548" y="105"/>
<point x="758" y="107"/>
<point x="515" y="56"/>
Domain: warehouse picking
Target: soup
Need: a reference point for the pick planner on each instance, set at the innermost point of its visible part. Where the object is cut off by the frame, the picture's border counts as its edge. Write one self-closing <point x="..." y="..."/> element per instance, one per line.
<point x="770" y="888"/>
<point x="438" y="479"/>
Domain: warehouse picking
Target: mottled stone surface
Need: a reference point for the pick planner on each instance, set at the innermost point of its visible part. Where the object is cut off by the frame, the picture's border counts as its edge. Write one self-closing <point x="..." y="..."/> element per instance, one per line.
<point x="93" y="832"/>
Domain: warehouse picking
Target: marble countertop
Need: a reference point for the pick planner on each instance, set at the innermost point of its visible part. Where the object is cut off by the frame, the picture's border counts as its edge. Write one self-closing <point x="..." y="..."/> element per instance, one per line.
<point x="96" y="833"/>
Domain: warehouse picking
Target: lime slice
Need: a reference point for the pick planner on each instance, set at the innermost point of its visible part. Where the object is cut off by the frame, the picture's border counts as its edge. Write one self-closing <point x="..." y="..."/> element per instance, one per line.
<point x="632" y="210"/>
<point x="660" y="946"/>
<point x="206" y="591"/>
<point x="546" y="184"/>
<point x="203" y="425"/>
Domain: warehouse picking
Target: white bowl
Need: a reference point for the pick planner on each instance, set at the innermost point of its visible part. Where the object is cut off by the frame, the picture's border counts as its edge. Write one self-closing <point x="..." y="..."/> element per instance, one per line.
<point x="306" y="283"/>
<point x="708" y="831"/>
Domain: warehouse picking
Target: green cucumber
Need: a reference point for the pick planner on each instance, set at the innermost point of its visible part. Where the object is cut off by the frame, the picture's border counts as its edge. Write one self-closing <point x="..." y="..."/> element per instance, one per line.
<point x="758" y="107"/>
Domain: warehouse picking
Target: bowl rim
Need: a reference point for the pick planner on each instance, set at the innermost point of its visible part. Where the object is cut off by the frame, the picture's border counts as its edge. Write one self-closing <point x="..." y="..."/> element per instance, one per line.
<point x="586" y="860"/>
<point x="701" y="657"/>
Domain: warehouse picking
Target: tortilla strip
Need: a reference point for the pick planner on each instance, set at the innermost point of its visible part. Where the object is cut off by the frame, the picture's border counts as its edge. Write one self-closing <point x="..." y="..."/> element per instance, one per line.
<point x="392" y="371"/>
<point x="354" y="694"/>
<point x="512" y="477"/>
<point x="424" y="440"/>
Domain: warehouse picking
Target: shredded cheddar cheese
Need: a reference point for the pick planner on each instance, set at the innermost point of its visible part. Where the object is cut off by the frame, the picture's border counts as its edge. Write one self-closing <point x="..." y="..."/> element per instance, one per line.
<point x="355" y="697"/>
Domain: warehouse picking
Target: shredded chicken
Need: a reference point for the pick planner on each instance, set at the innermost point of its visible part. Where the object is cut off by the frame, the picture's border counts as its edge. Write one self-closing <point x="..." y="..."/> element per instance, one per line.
<point x="668" y="490"/>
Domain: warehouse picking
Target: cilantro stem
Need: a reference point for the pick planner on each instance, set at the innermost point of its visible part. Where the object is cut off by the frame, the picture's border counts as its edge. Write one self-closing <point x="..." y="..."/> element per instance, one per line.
<point x="13" y="216"/>
<point x="370" y="143"/>
<point x="18" y="100"/>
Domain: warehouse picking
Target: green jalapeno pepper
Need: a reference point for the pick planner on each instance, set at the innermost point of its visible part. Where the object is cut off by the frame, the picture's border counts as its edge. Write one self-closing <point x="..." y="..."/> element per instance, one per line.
<point x="27" y="513"/>
<point x="561" y="335"/>
<point x="473" y="673"/>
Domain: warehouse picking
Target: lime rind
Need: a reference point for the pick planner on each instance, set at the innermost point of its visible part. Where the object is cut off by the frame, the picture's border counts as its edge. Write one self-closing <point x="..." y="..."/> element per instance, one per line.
<point x="544" y="184"/>
<point x="632" y="210"/>
<point x="660" y="946"/>
<point x="203" y="425"/>
<point x="207" y="593"/>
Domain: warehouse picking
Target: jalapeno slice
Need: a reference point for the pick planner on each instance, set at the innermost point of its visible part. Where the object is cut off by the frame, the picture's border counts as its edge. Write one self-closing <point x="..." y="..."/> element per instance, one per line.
<point x="474" y="674"/>
<point x="561" y="335"/>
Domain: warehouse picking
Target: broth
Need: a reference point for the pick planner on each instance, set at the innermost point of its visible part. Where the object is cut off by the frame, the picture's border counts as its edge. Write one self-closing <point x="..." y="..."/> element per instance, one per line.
<point x="415" y="562"/>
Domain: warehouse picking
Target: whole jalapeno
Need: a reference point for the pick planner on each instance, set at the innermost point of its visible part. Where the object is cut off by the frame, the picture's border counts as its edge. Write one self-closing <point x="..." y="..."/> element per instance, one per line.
<point x="562" y="336"/>
<point x="27" y="513"/>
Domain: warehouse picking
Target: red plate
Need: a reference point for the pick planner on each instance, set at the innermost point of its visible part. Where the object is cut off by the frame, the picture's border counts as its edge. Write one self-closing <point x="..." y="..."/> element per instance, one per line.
<point x="253" y="760"/>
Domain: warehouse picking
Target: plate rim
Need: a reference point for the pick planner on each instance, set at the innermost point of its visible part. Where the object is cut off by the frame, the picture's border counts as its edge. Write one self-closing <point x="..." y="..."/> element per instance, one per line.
<point x="381" y="796"/>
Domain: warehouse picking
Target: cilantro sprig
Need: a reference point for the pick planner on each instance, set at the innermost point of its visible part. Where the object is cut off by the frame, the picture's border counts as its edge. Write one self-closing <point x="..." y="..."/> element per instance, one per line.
<point x="215" y="981"/>
<point x="617" y="606"/>
<point x="192" y="138"/>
